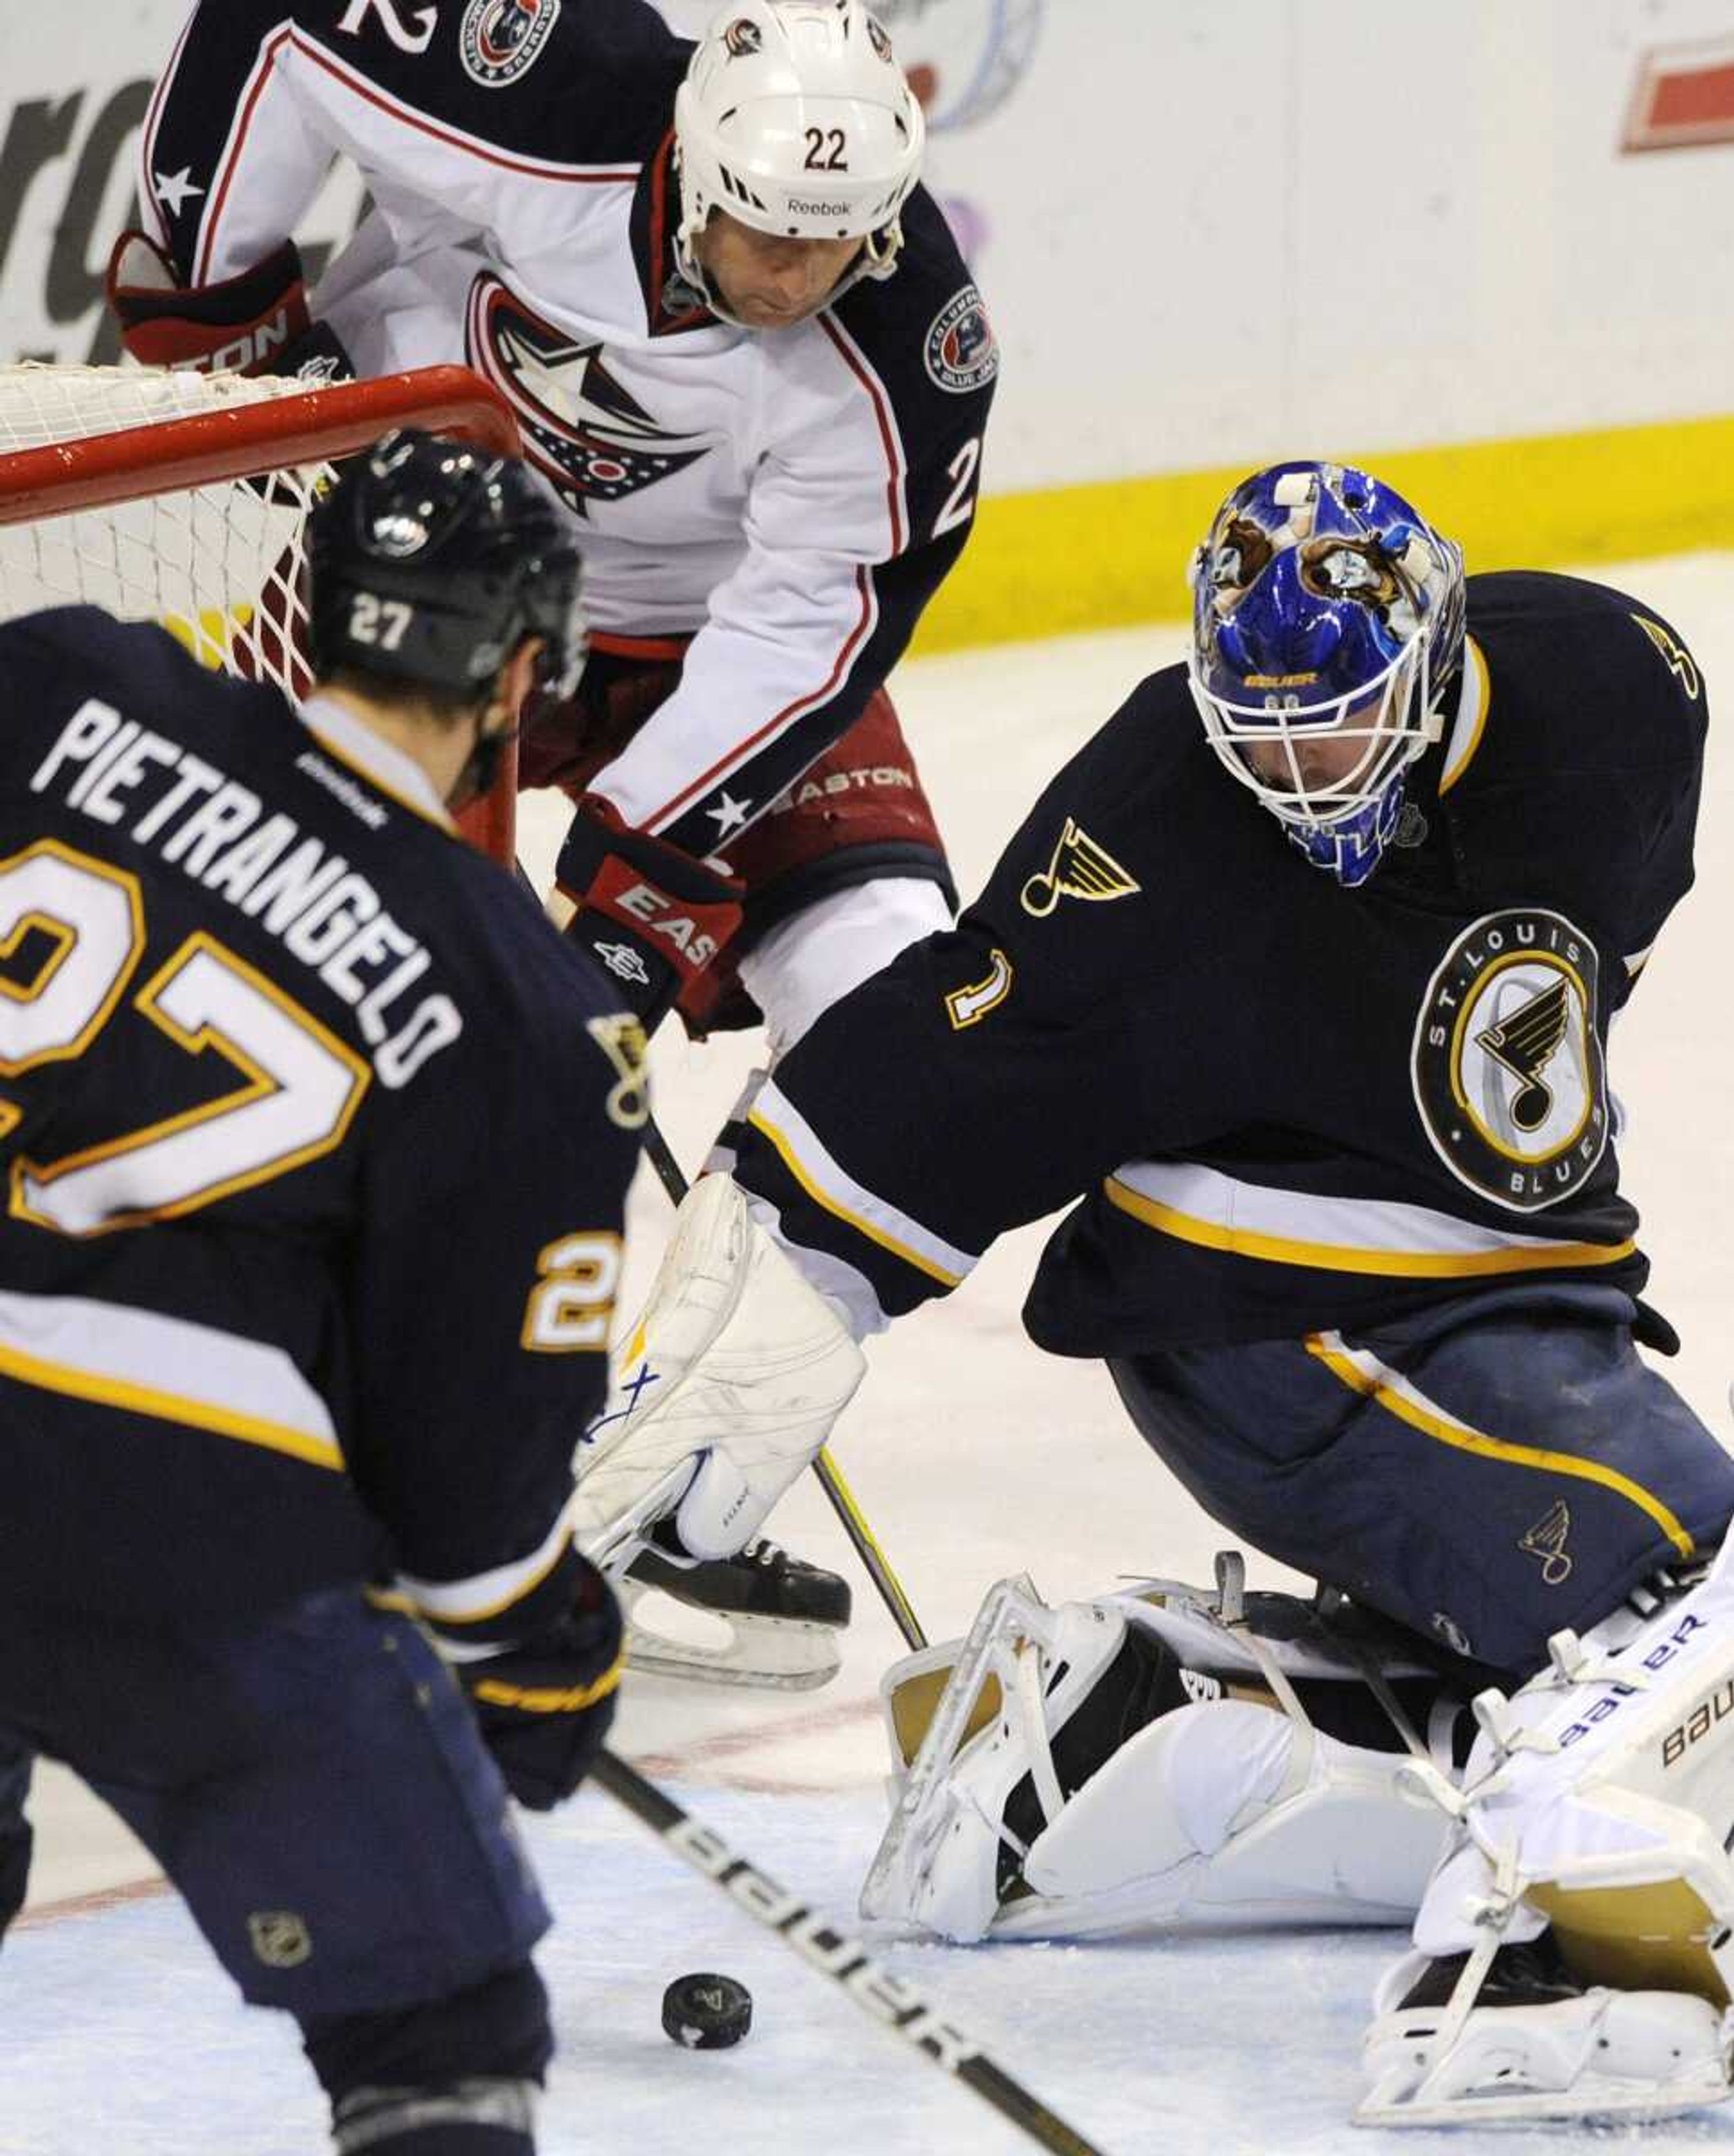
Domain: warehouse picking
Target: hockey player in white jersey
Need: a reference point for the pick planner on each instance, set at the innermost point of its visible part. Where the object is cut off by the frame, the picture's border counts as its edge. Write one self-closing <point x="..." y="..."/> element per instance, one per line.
<point x="741" y="342"/>
<point x="1317" y="1060"/>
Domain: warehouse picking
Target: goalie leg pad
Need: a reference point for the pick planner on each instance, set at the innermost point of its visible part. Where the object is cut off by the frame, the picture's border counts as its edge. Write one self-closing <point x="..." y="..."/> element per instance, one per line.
<point x="1124" y="1764"/>
<point x="1599" y="1802"/>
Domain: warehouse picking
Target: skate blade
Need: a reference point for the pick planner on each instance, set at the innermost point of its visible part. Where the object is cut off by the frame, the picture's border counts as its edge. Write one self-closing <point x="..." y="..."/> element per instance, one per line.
<point x="763" y="1653"/>
<point x="1611" y="2100"/>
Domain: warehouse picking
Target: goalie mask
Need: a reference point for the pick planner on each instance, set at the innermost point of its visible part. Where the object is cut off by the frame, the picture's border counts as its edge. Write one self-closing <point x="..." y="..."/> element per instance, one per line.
<point x="1327" y="625"/>
<point x="795" y="118"/>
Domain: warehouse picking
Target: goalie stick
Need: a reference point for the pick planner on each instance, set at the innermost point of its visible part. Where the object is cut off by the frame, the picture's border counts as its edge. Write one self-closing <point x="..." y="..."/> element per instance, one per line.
<point x="890" y="2000"/>
<point x="673" y="1180"/>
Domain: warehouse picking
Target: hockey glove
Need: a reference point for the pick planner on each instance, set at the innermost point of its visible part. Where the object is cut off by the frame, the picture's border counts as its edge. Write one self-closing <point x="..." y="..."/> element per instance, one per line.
<point x="255" y="323"/>
<point x="653" y="917"/>
<point x="545" y="1705"/>
<point x="731" y="1379"/>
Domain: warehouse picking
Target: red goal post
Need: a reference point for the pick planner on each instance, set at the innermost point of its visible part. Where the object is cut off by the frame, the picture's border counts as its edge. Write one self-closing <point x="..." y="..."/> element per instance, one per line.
<point x="181" y="498"/>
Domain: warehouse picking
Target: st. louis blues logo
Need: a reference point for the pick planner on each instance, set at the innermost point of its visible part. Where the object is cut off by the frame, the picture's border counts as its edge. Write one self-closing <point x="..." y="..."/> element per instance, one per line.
<point x="961" y="351"/>
<point x="593" y="440"/>
<point x="1507" y="1060"/>
<point x="499" y="39"/>
<point x="743" y="39"/>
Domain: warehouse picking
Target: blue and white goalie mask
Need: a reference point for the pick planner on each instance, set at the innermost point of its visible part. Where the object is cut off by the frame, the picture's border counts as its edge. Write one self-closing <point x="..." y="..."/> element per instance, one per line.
<point x="1328" y="623"/>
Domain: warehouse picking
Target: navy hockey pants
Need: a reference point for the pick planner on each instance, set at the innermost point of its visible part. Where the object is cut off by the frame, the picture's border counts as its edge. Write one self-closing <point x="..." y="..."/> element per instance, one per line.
<point x="1502" y="1467"/>
<point x="312" y="1783"/>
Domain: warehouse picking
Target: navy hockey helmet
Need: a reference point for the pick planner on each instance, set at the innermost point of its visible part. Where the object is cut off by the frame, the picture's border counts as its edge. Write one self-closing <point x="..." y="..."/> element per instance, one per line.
<point x="428" y="563"/>
<point x="1327" y="625"/>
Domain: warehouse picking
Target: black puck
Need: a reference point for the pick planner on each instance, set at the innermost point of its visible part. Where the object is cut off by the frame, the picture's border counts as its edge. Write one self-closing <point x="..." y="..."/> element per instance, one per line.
<point x="706" y="2012"/>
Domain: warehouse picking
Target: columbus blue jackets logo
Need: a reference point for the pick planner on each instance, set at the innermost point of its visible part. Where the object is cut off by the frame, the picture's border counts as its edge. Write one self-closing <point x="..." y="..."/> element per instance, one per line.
<point x="593" y="440"/>
<point x="743" y="39"/>
<point x="499" y="39"/>
<point x="1507" y="1060"/>
<point x="962" y="352"/>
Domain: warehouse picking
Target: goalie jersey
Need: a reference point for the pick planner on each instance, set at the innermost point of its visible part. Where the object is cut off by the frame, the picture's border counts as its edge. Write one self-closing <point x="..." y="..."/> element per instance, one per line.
<point x="316" y="1138"/>
<point x="1274" y="1105"/>
<point x="790" y="499"/>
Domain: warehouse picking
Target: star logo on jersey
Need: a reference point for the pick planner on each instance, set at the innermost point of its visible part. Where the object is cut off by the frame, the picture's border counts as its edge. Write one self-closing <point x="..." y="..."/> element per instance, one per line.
<point x="1506" y="1064"/>
<point x="729" y="814"/>
<point x="175" y="190"/>
<point x="595" y="441"/>
<point x="1078" y="867"/>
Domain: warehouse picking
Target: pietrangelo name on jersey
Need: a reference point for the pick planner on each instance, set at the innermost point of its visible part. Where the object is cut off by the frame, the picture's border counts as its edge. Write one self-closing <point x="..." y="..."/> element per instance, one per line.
<point x="326" y="914"/>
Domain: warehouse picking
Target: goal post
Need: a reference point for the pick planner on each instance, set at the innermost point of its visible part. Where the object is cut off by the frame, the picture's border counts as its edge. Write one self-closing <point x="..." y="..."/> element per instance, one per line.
<point x="183" y="498"/>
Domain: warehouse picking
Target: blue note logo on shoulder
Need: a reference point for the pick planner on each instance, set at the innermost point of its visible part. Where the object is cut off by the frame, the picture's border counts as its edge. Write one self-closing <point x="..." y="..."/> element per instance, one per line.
<point x="499" y="39"/>
<point x="1507" y="1061"/>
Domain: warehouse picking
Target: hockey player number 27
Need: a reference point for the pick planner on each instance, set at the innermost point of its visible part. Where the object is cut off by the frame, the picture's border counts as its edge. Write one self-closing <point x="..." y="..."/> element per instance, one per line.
<point x="302" y="1084"/>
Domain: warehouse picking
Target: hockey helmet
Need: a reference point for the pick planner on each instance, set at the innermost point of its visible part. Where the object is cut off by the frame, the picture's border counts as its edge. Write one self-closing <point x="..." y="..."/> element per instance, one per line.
<point x="795" y="117"/>
<point x="1327" y="625"/>
<point x="428" y="563"/>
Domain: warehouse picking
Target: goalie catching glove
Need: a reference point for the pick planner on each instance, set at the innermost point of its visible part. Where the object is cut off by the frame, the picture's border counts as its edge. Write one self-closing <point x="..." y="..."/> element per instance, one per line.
<point x="725" y="1390"/>
<point x="255" y="323"/>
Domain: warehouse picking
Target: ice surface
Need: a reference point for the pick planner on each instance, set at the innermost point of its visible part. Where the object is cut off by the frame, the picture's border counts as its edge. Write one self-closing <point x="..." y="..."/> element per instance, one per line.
<point x="972" y="1457"/>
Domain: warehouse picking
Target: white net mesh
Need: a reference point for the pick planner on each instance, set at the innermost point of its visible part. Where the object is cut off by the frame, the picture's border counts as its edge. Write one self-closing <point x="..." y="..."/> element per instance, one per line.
<point x="216" y="564"/>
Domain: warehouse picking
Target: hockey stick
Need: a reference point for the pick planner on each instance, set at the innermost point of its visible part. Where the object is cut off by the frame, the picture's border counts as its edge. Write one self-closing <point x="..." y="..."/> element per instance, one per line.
<point x="673" y="1180"/>
<point x="891" y="2000"/>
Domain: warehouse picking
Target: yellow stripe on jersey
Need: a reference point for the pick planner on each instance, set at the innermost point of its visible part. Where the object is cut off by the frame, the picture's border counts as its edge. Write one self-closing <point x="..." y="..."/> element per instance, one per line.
<point x="314" y="1451"/>
<point x="862" y="1226"/>
<point x="1364" y="1374"/>
<point x="1242" y="1242"/>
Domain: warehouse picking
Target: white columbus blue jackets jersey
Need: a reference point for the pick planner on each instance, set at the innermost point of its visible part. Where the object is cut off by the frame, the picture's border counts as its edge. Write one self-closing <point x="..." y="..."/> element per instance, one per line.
<point x="315" y="1137"/>
<point x="1275" y="1105"/>
<point x="794" y="497"/>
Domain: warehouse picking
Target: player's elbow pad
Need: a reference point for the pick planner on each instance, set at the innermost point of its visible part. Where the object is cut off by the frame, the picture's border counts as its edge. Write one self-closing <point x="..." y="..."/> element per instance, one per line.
<point x="654" y="917"/>
<point x="256" y="322"/>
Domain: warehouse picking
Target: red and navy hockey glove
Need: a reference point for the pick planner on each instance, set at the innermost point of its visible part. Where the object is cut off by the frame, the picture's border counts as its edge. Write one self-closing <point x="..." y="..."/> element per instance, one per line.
<point x="545" y="1705"/>
<point x="255" y="323"/>
<point x="653" y="917"/>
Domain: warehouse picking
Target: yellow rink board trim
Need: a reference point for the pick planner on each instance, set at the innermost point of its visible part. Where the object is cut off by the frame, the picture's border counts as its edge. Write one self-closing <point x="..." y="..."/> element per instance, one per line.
<point x="1065" y="560"/>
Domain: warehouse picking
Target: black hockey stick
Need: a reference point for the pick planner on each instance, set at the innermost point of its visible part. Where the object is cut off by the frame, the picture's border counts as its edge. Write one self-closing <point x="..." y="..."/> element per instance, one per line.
<point x="843" y="1501"/>
<point x="891" y="2000"/>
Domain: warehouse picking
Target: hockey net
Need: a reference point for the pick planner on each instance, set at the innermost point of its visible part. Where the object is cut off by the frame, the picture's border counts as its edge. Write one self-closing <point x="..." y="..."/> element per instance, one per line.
<point x="182" y="499"/>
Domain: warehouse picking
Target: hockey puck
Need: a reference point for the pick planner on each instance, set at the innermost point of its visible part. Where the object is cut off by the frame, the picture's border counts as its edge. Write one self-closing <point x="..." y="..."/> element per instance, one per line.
<point x="706" y="2012"/>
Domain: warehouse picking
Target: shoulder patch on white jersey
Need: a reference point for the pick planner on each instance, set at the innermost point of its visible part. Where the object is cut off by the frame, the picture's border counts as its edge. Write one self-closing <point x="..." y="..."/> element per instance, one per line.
<point x="962" y="352"/>
<point x="499" y="39"/>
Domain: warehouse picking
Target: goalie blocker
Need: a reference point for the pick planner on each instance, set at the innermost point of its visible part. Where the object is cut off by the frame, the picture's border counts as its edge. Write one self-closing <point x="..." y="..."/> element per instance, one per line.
<point x="720" y="1396"/>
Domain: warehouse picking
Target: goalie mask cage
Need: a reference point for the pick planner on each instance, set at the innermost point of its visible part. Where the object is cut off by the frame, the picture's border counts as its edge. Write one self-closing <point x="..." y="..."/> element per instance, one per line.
<point x="181" y="498"/>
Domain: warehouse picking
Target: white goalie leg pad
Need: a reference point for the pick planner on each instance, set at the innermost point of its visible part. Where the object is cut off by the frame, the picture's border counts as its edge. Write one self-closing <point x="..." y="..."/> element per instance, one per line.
<point x="1220" y="1810"/>
<point x="1598" y="1801"/>
<point x="725" y="1389"/>
<point x="1228" y="1813"/>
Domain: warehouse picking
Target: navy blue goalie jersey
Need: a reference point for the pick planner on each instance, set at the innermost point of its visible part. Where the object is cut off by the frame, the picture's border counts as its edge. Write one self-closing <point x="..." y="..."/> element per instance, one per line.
<point x="1275" y="1106"/>
<point x="315" y="1136"/>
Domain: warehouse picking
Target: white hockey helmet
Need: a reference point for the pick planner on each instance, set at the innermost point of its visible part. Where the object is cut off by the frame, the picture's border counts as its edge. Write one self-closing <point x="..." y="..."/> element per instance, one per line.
<point x="795" y="118"/>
